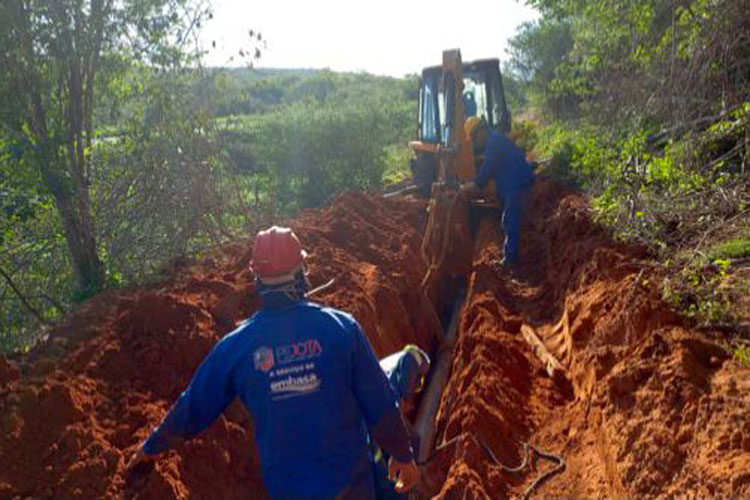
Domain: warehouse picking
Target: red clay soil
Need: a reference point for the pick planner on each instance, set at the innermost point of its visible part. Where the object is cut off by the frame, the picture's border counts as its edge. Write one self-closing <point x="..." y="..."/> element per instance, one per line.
<point x="89" y="394"/>
<point x="647" y="408"/>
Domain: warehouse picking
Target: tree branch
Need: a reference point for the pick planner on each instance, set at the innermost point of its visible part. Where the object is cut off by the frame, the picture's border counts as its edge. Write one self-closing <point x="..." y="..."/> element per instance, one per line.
<point x="22" y="297"/>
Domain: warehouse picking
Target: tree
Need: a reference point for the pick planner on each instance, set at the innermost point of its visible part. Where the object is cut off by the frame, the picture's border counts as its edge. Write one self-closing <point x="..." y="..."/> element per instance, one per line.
<point x="55" y="56"/>
<point x="640" y="61"/>
<point x="536" y="52"/>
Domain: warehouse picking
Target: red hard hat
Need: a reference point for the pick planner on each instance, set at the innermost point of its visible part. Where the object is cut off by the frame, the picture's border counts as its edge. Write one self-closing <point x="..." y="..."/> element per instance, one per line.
<point x="277" y="255"/>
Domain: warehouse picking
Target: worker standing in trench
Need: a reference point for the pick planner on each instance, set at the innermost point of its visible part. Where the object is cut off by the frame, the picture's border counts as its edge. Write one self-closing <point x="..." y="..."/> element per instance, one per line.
<point x="406" y="371"/>
<point x="310" y="379"/>
<point x="506" y="164"/>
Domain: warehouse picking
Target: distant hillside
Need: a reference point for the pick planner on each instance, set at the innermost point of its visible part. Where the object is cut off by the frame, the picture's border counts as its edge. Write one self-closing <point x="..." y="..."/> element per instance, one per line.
<point x="241" y="91"/>
<point x="252" y="73"/>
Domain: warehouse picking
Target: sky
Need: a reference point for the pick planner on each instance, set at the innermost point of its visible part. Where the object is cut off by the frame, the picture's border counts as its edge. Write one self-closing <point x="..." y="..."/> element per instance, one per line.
<point x="383" y="37"/>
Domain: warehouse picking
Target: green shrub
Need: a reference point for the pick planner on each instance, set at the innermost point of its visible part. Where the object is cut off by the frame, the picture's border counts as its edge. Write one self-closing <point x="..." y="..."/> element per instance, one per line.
<point x="736" y="248"/>
<point x="396" y="163"/>
<point x="742" y="354"/>
<point x="697" y="289"/>
<point x="310" y="151"/>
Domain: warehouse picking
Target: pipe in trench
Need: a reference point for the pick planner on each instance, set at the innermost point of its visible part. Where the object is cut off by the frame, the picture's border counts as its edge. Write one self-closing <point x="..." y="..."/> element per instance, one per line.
<point x="427" y="413"/>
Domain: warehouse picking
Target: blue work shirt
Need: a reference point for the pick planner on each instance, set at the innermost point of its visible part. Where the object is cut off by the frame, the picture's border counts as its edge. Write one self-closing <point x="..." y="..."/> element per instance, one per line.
<point x="314" y="387"/>
<point x="404" y="371"/>
<point x="505" y="163"/>
<point x="405" y="374"/>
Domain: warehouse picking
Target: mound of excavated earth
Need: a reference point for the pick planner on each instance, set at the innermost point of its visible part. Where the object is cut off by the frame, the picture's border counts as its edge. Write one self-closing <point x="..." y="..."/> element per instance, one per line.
<point x="638" y="405"/>
<point x="84" y="399"/>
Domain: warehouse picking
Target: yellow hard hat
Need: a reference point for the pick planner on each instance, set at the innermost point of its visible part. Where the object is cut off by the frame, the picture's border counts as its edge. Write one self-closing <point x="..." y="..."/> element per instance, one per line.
<point x="471" y="125"/>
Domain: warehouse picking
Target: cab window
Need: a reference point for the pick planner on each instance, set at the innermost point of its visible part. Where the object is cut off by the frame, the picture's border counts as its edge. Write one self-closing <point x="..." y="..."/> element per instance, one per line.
<point x="475" y="95"/>
<point x="428" y="111"/>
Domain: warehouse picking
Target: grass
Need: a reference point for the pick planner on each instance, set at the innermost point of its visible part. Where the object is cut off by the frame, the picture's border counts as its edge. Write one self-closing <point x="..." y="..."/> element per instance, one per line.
<point x="710" y="289"/>
<point x="736" y="248"/>
<point x="396" y="159"/>
<point x="742" y="354"/>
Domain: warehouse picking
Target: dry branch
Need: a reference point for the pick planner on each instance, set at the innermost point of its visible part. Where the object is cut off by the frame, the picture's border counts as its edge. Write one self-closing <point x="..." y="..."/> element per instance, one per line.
<point x="661" y="136"/>
<point x="21" y="297"/>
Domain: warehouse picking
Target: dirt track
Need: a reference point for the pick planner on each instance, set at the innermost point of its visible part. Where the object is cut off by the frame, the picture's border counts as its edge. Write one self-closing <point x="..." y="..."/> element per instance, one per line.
<point x="648" y="408"/>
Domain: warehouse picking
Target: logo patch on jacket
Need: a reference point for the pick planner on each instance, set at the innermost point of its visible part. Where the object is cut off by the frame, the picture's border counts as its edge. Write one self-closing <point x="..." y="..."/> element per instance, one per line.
<point x="295" y="386"/>
<point x="263" y="359"/>
<point x="299" y="351"/>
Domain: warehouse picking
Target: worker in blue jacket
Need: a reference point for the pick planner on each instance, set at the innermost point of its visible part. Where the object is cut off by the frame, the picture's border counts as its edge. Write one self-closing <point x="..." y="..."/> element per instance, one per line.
<point x="312" y="383"/>
<point x="406" y="371"/>
<point x="506" y="164"/>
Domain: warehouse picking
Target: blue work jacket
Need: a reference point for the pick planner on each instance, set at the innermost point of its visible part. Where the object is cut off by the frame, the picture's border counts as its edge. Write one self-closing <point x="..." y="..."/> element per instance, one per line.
<point x="506" y="163"/>
<point x="314" y="387"/>
<point x="404" y="372"/>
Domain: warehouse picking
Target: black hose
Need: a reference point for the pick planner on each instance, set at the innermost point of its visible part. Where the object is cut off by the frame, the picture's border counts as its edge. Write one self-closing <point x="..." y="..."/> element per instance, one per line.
<point x="525" y="463"/>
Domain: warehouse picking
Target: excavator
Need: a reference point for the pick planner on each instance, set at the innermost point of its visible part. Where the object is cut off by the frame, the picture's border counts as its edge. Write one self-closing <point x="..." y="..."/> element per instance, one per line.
<point x="444" y="156"/>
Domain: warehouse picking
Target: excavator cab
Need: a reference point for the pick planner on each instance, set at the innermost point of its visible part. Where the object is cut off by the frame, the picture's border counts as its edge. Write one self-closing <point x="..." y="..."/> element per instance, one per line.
<point x="448" y="94"/>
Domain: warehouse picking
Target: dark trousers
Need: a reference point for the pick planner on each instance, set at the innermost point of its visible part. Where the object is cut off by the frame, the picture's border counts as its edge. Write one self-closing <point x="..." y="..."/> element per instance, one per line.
<point x="514" y="204"/>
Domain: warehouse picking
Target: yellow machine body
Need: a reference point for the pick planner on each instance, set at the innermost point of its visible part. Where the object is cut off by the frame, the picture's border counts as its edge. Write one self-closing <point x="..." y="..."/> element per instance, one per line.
<point x="444" y="152"/>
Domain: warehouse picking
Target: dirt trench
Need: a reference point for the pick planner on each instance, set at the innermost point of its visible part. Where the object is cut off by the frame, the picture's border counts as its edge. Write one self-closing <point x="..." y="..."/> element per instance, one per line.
<point x="643" y="407"/>
<point x="647" y="408"/>
<point x="74" y="409"/>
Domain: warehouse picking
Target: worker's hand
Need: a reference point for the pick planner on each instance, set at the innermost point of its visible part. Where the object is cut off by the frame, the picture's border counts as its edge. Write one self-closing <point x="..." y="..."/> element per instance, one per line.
<point x="406" y="476"/>
<point x="140" y="461"/>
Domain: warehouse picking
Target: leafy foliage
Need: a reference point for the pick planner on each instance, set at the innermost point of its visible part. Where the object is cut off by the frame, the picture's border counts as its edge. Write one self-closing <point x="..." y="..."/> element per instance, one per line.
<point x="698" y="289"/>
<point x="646" y="107"/>
<point x="535" y="54"/>
<point x="155" y="187"/>
<point x="736" y="248"/>
<point x="742" y="354"/>
<point x="341" y="132"/>
<point x="58" y="58"/>
<point x="638" y="59"/>
<point x="166" y="178"/>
